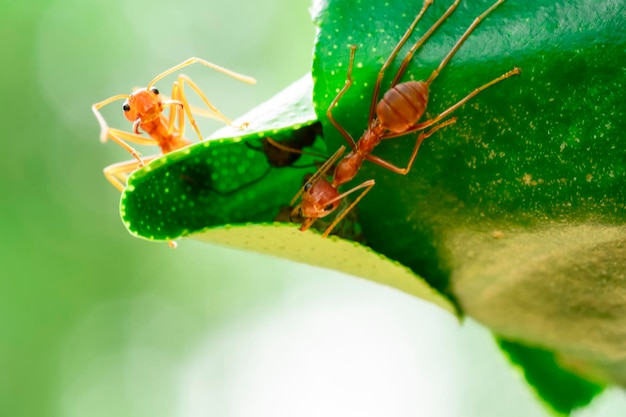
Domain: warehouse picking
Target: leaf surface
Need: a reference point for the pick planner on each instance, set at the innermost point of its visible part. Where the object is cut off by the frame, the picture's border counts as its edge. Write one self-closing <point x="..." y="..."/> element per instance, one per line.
<point x="517" y="212"/>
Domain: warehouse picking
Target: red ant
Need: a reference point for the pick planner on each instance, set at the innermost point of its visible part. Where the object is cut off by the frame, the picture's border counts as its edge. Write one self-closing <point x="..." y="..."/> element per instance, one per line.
<point x="144" y="107"/>
<point x="397" y="114"/>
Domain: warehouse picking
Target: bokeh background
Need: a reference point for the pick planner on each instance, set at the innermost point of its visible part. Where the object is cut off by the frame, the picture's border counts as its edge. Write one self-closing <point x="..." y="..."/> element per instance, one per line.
<point x="94" y="322"/>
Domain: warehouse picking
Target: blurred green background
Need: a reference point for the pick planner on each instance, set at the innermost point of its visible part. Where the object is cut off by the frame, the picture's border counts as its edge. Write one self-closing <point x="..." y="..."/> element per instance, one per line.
<point x="94" y="322"/>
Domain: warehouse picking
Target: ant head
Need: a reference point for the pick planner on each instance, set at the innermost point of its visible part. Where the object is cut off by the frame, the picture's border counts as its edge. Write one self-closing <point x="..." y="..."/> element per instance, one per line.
<point x="319" y="199"/>
<point x="143" y="105"/>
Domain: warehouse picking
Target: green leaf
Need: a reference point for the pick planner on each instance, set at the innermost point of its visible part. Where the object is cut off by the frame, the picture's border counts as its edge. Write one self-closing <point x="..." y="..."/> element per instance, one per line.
<point x="528" y="152"/>
<point x="561" y="390"/>
<point x="221" y="180"/>
<point x="517" y="211"/>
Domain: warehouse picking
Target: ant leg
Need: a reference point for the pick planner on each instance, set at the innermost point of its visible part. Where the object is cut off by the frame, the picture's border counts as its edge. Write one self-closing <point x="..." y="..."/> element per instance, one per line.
<point x="451" y="109"/>
<point x="458" y="44"/>
<point x="278" y="145"/>
<point x="118" y="136"/>
<point x="176" y="111"/>
<point x="118" y="173"/>
<point x="282" y="147"/>
<point x="178" y="116"/>
<point x="421" y="42"/>
<point x="169" y="101"/>
<point x="394" y="53"/>
<point x="420" y="139"/>
<point x="194" y="60"/>
<point x="345" y="88"/>
<point x="367" y="185"/>
<point x="104" y="127"/>
<point x="179" y="90"/>
<point x="182" y="79"/>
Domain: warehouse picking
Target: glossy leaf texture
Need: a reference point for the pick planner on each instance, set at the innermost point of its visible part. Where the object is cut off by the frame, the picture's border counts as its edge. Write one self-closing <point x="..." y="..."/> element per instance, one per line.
<point x="228" y="180"/>
<point x="517" y="211"/>
<point x="224" y="179"/>
<point x="533" y="150"/>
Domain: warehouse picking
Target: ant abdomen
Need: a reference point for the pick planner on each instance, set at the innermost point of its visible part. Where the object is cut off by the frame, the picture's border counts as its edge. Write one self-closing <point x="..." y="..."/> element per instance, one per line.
<point x="402" y="106"/>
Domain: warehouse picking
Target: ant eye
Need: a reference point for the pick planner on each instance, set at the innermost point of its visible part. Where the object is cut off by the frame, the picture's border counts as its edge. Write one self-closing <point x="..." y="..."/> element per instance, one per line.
<point x="126" y="107"/>
<point x="307" y="186"/>
<point x="329" y="207"/>
<point x="155" y="90"/>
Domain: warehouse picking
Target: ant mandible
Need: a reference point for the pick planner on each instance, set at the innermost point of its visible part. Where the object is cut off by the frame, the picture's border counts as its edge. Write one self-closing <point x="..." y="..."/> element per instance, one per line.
<point x="144" y="107"/>
<point x="396" y="114"/>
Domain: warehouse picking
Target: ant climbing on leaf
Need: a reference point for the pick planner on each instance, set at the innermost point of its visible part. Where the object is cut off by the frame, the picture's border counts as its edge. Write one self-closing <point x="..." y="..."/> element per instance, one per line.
<point x="284" y="153"/>
<point x="145" y="108"/>
<point x="398" y="113"/>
